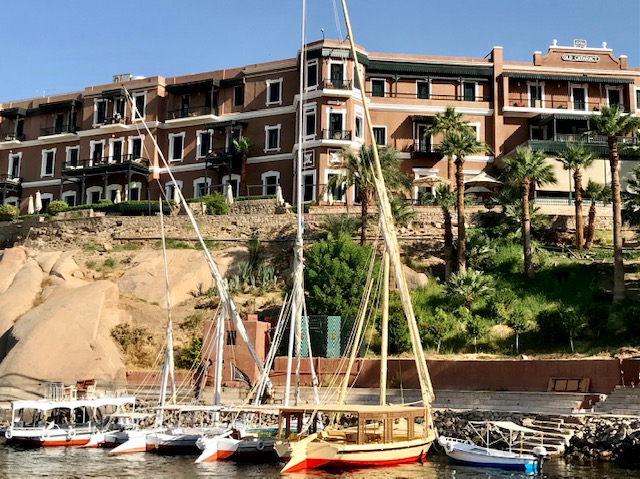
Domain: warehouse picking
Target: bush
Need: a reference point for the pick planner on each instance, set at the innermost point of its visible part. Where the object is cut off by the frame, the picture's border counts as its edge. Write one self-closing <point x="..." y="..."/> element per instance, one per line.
<point x="56" y="207"/>
<point x="216" y="204"/>
<point x="187" y="357"/>
<point x="8" y="212"/>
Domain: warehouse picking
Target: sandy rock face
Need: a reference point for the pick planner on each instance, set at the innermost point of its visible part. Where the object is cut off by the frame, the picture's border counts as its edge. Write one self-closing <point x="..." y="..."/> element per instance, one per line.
<point x="21" y="294"/>
<point x="66" y="338"/>
<point x="11" y="262"/>
<point x="187" y="269"/>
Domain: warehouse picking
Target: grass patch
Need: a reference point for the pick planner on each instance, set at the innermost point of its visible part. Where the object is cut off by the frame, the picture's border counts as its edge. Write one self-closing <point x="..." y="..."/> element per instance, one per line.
<point x="90" y="248"/>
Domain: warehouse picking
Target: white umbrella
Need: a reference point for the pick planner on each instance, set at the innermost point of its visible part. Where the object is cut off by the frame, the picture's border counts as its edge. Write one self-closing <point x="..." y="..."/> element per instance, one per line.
<point x="477" y="190"/>
<point x="279" y="197"/>
<point x="118" y="198"/>
<point x="229" y="194"/>
<point x="30" y="209"/>
<point x="177" y="198"/>
<point x="38" y="202"/>
<point x="483" y="179"/>
<point x="429" y="181"/>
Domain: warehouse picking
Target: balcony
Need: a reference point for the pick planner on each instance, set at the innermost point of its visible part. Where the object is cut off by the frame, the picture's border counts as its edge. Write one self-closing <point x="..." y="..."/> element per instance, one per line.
<point x="520" y="103"/>
<point x="106" y="164"/>
<point x="336" y="84"/>
<point x="435" y="98"/>
<point x="423" y="148"/>
<point x="12" y="137"/>
<point x="59" y="130"/>
<point x="593" y="143"/>
<point x="331" y="134"/>
<point x="221" y="158"/>
<point x="10" y="184"/>
<point x="187" y="112"/>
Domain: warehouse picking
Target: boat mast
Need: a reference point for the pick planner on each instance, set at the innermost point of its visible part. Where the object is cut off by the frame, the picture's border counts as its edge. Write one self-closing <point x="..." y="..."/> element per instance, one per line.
<point x="385" y="331"/>
<point x="389" y="232"/>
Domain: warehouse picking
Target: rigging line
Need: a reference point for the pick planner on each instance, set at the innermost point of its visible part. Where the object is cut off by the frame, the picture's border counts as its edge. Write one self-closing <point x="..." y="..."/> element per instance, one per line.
<point x="223" y="291"/>
<point x="336" y="17"/>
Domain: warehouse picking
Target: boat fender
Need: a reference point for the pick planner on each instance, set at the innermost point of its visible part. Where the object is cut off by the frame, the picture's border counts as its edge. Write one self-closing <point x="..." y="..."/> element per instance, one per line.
<point x="468" y="441"/>
<point x="448" y="446"/>
<point x="45" y="435"/>
<point x="260" y="445"/>
<point x="71" y="432"/>
<point x="8" y="433"/>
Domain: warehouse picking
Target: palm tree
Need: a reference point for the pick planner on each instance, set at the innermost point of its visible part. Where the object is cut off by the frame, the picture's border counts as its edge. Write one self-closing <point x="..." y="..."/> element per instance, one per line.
<point x="524" y="169"/>
<point x="445" y="199"/>
<point x="242" y="146"/>
<point x="575" y="158"/>
<point x="443" y="123"/>
<point x="595" y="192"/>
<point x="357" y="171"/>
<point x="613" y="122"/>
<point x="631" y="198"/>
<point x="460" y="143"/>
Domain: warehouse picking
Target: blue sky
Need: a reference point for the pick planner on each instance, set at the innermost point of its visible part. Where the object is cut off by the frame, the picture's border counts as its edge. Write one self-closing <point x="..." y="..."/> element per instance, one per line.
<point x="62" y="46"/>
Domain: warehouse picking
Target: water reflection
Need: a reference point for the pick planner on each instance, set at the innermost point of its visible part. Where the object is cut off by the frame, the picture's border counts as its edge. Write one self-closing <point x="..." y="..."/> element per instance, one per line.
<point x="95" y="463"/>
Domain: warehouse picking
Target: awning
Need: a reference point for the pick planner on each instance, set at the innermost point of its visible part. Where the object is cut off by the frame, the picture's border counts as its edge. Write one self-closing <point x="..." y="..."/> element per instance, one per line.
<point x="13" y="112"/>
<point x="422" y="118"/>
<point x="116" y="92"/>
<point x="571" y="78"/>
<point x="548" y="117"/>
<point x="220" y="125"/>
<point x="232" y="81"/>
<point x="378" y="66"/>
<point x="193" y="86"/>
<point x="59" y="105"/>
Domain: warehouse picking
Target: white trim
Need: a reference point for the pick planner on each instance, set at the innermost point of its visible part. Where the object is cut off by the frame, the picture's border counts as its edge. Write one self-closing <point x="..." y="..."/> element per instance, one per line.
<point x="358" y="113"/>
<point x="228" y="179"/>
<point x="313" y="174"/>
<point x="269" y="158"/>
<point x="423" y="173"/>
<point x="134" y="98"/>
<point x="200" y="180"/>
<point x="475" y="90"/>
<point x="314" y="86"/>
<point x="373" y="127"/>
<point x="13" y="157"/>
<point x="278" y="82"/>
<point x="67" y="157"/>
<point x="308" y="111"/>
<point x="384" y="87"/>
<point x="113" y="187"/>
<point x="134" y="185"/>
<point x="45" y="197"/>
<point x="617" y="88"/>
<point x="130" y="140"/>
<point x="267" y="129"/>
<point x="333" y="157"/>
<point x="67" y="194"/>
<point x="328" y="197"/>
<point x="112" y="141"/>
<point x="172" y="137"/>
<point x="414" y="109"/>
<point x="43" y="164"/>
<point x="563" y="70"/>
<point x="89" y="191"/>
<point x="95" y="122"/>
<point x="12" y="200"/>
<point x="428" y="82"/>
<point x="199" y="134"/>
<point x="336" y="111"/>
<point x="540" y="84"/>
<point x="585" y="89"/>
<point x="177" y="168"/>
<point x="476" y="125"/>
<point x="41" y="183"/>
<point x="344" y="73"/>
<point x="173" y="185"/>
<point x="92" y="149"/>
<point x="269" y="174"/>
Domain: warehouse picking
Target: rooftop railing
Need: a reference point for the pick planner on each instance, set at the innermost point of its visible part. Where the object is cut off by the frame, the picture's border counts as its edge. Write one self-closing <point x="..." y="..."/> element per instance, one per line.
<point x="186" y="112"/>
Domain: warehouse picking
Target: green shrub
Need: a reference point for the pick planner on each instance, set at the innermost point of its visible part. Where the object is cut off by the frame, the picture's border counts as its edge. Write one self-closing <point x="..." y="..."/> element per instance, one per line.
<point x="56" y="207"/>
<point x="216" y="204"/>
<point x="109" y="263"/>
<point x="8" y="212"/>
<point x="187" y="357"/>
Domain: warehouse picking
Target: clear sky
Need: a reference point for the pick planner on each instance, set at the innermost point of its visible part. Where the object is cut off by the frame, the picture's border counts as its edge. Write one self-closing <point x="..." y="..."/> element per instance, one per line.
<point x="59" y="46"/>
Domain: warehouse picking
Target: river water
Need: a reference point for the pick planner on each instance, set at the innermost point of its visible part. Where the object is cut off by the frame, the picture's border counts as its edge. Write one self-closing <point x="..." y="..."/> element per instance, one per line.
<point x="95" y="463"/>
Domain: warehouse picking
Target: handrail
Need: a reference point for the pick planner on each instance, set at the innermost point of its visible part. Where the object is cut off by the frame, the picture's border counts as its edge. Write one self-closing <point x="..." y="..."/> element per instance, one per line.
<point x="104" y="161"/>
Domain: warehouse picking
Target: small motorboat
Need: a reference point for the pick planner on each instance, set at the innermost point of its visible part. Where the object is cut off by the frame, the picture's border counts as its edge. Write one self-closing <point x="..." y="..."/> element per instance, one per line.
<point x="490" y="433"/>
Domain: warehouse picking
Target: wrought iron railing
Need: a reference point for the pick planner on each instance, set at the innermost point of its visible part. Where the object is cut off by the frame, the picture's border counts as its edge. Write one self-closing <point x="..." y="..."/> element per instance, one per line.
<point x="190" y="111"/>
<point x="59" y="129"/>
<point x="330" y="134"/>
<point x="434" y="97"/>
<point x="559" y="102"/>
<point x="12" y="137"/>
<point x="104" y="161"/>
<point x="8" y="178"/>
<point x="336" y="84"/>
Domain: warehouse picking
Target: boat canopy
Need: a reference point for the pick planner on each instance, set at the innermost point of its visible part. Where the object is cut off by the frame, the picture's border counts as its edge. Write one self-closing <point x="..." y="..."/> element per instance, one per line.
<point x="510" y="426"/>
<point x="44" y="405"/>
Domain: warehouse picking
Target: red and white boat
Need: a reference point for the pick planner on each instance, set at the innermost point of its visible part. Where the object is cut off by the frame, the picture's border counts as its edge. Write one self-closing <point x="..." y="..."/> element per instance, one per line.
<point x="46" y="423"/>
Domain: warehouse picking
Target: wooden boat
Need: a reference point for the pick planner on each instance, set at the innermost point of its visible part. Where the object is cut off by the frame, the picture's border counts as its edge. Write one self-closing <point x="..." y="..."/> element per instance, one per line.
<point x="47" y="423"/>
<point x="483" y="455"/>
<point x="239" y="444"/>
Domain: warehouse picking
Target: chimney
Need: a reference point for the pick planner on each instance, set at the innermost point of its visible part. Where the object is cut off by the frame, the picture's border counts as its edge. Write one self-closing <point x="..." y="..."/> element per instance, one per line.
<point x="537" y="58"/>
<point x="623" y="62"/>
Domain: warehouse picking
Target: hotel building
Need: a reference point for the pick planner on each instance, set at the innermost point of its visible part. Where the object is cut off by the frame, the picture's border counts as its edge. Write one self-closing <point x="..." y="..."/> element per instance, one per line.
<point x="85" y="146"/>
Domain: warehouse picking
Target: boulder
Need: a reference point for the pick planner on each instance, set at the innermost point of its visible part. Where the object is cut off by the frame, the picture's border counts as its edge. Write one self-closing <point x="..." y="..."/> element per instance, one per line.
<point x="11" y="262"/>
<point x="47" y="260"/>
<point x="414" y="279"/>
<point x="65" y="266"/>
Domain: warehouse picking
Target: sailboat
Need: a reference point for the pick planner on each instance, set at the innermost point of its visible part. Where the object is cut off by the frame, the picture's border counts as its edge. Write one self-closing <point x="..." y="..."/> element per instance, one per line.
<point x="357" y="435"/>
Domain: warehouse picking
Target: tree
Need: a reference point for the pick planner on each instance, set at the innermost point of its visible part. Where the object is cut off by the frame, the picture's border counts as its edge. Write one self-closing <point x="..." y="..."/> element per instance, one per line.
<point x="468" y="286"/>
<point x="439" y="327"/>
<point x="460" y="143"/>
<point x="575" y="158"/>
<point x="444" y="123"/>
<point x="242" y="146"/>
<point x="445" y="199"/>
<point x="596" y="192"/>
<point x="357" y="170"/>
<point x="613" y="122"/>
<point x="335" y="274"/>
<point x="524" y="169"/>
<point x="631" y="198"/>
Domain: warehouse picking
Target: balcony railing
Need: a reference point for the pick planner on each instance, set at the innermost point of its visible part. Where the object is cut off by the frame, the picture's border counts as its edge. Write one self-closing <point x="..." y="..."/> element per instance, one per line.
<point x="114" y="120"/>
<point x="562" y="103"/>
<point x="435" y="98"/>
<point x="337" y="84"/>
<point x="12" y="137"/>
<point x="336" y="134"/>
<point x="104" y="161"/>
<point x="218" y="157"/>
<point x="421" y="147"/>
<point x="587" y="138"/>
<point x="190" y="111"/>
<point x="10" y="179"/>
<point x="58" y="130"/>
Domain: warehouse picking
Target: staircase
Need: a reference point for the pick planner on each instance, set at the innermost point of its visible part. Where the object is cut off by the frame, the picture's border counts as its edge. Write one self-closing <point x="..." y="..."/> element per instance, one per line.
<point x="557" y="432"/>
<point x="624" y="401"/>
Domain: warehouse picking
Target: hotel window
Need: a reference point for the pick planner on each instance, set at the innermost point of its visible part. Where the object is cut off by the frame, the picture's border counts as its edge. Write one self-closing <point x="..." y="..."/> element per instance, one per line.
<point x="14" y="165"/>
<point x="308" y="186"/>
<point x="46" y="199"/>
<point x="231" y="337"/>
<point x="359" y="127"/>
<point x="614" y="96"/>
<point x="234" y="181"/>
<point x="637" y="99"/>
<point x="475" y="127"/>
<point x="336" y="126"/>
<point x="170" y="189"/>
<point x="176" y="146"/>
<point x="468" y="91"/>
<point x="73" y="155"/>
<point x="337" y="194"/>
<point x="134" y="192"/>
<point x="424" y="90"/>
<point x="69" y="197"/>
<point x="309" y="122"/>
<point x="536" y="95"/>
<point x="201" y="187"/>
<point x="377" y="87"/>
<point x="423" y="140"/>
<point x="97" y="151"/>
<point x="94" y="195"/>
<point x="204" y="142"/>
<point x="140" y="100"/>
<point x="270" y="181"/>
<point x="58" y="123"/>
<point x="135" y="147"/>
<point x="578" y="97"/>
<point x="116" y="148"/>
<point x="336" y="73"/>
<point x="272" y="138"/>
<point x="48" y="162"/>
<point x="238" y="95"/>
<point x="312" y="74"/>
<point x="380" y="135"/>
<point x="99" y="111"/>
<point x="274" y="92"/>
<point x="118" y="107"/>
